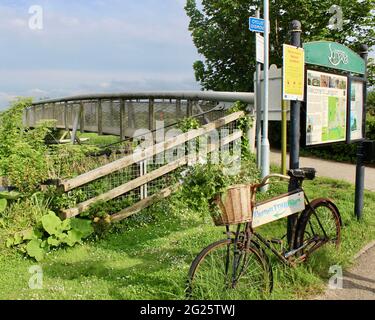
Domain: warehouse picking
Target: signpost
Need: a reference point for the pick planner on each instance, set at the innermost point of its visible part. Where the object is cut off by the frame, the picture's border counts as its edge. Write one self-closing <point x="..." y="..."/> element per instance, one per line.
<point x="262" y="57"/>
<point x="257" y="25"/>
<point x="258" y="93"/>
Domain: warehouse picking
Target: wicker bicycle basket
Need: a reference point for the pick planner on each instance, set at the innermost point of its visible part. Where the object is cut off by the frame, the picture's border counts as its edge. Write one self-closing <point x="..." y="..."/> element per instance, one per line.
<point x="235" y="206"/>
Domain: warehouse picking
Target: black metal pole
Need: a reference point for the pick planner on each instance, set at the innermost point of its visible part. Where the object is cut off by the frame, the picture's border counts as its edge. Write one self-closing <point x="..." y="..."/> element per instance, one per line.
<point x="296" y="30"/>
<point x="360" y="172"/>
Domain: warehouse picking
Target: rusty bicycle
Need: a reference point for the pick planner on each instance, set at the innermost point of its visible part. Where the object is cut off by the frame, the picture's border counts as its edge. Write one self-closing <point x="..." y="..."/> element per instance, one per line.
<point x="239" y="262"/>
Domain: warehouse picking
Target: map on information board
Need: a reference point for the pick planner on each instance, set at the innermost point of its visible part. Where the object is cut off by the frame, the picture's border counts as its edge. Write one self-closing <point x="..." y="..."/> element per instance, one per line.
<point x="326" y="108"/>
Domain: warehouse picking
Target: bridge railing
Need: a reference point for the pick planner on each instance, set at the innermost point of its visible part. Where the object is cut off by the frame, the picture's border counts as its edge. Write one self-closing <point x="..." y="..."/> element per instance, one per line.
<point x="123" y="113"/>
<point x="133" y="181"/>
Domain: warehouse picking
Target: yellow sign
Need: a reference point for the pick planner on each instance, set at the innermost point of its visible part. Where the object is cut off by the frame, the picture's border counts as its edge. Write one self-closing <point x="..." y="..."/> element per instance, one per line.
<point x="294" y="73"/>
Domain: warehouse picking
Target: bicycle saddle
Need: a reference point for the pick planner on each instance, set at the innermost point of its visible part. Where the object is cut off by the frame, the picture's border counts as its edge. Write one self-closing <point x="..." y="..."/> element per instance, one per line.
<point x="303" y="173"/>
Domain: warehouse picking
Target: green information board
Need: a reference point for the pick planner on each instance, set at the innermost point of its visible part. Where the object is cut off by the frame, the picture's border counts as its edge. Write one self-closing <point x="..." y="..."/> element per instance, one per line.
<point x="334" y="56"/>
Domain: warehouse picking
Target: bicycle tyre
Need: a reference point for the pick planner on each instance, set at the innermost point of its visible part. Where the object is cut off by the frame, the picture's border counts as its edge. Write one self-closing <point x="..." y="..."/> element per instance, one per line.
<point x="208" y="279"/>
<point x="330" y="219"/>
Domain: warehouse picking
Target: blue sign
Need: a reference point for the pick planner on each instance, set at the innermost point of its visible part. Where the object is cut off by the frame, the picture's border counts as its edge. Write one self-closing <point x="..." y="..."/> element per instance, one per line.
<point x="257" y="25"/>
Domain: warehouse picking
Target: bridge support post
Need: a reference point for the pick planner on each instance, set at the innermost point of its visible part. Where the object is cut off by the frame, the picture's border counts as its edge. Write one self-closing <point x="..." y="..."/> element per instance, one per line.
<point x="82" y="117"/>
<point x="122" y="118"/>
<point x="99" y="114"/>
<point x="66" y="124"/>
<point x="151" y="115"/>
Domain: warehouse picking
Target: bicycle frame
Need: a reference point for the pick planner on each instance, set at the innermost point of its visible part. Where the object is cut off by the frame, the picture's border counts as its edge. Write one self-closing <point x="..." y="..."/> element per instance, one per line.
<point x="283" y="257"/>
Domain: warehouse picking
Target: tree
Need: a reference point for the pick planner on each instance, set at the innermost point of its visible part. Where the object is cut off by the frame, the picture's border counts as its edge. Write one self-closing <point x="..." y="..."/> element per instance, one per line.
<point x="220" y="32"/>
<point x="371" y="102"/>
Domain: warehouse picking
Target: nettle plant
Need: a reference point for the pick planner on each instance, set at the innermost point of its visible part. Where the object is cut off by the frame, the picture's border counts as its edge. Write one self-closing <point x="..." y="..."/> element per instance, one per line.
<point x="202" y="184"/>
<point x="51" y="233"/>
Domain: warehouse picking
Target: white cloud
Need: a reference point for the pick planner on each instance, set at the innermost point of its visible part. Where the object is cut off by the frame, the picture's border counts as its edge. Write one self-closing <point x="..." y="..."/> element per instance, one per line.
<point x="112" y="45"/>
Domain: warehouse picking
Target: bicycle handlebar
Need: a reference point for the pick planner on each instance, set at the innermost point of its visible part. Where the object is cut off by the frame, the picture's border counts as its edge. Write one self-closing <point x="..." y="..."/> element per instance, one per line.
<point x="265" y="181"/>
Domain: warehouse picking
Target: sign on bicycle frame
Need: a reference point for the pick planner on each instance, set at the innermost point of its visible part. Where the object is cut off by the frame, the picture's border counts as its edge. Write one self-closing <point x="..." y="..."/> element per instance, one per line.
<point x="278" y="208"/>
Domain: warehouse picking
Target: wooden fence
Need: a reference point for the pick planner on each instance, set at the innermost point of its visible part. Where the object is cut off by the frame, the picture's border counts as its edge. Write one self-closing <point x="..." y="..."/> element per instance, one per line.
<point x="146" y="177"/>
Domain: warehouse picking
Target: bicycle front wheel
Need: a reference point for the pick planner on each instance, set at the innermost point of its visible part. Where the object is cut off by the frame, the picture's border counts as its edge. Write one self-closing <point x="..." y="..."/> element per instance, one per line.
<point x="319" y="224"/>
<point x="222" y="273"/>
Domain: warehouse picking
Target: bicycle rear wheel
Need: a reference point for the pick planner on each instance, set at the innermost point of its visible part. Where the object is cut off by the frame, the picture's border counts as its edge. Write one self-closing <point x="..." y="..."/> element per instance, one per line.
<point x="215" y="275"/>
<point x="318" y="225"/>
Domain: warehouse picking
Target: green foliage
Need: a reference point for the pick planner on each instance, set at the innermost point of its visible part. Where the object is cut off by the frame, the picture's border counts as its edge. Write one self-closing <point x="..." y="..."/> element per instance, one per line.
<point x="68" y="161"/>
<point x="220" y="32"/>
<point x="3" y="205"/>
<point x="188" y="124"/>
<point x="370" y="128"/>
<point x="11" y="195"/>
<point x="64" y="200"/>
<point x="371" y="102"/>
<point x="245" y="123"/>
<point x="22" y="151"/>
<point x="204" y="182"/>
<point x="50" y="233"/>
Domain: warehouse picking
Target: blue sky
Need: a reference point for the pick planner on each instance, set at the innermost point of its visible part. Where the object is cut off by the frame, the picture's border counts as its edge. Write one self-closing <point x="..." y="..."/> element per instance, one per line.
<point x="94" y="46"/>
<point x="91" y="46"/>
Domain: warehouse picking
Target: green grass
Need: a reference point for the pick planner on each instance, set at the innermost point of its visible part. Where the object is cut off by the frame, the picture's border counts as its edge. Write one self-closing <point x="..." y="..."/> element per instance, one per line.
<point x="148" y="257"/>
<point x="97" y="140"/>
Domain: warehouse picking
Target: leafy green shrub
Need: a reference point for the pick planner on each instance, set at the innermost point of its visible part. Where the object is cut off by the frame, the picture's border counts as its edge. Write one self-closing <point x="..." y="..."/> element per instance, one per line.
<point x="204" y="182"/>
<point x="188" y="124"/>
<point x="51" y="232"/>
<point x="23" y="212"/>
<point x="22" y="151"/>
<point x="370" y="129"/>
<point x="69" y="161"/>
<point x="3" y="205"/>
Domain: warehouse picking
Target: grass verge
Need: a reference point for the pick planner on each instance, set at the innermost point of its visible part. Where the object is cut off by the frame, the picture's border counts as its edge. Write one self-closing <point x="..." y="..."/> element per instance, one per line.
<point x="149" y="255"/>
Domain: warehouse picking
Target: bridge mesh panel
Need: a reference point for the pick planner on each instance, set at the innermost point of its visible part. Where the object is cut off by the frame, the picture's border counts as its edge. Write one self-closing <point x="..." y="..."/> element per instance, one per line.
<point x="59" y="115"/>
<point x="165" y="111"/>
<point x="111" y="117"/>
<point x="38" y="114"/>
<point x="31" y="117"/>
<point x="138" y="115"/>
<point x="90" y="118"/>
